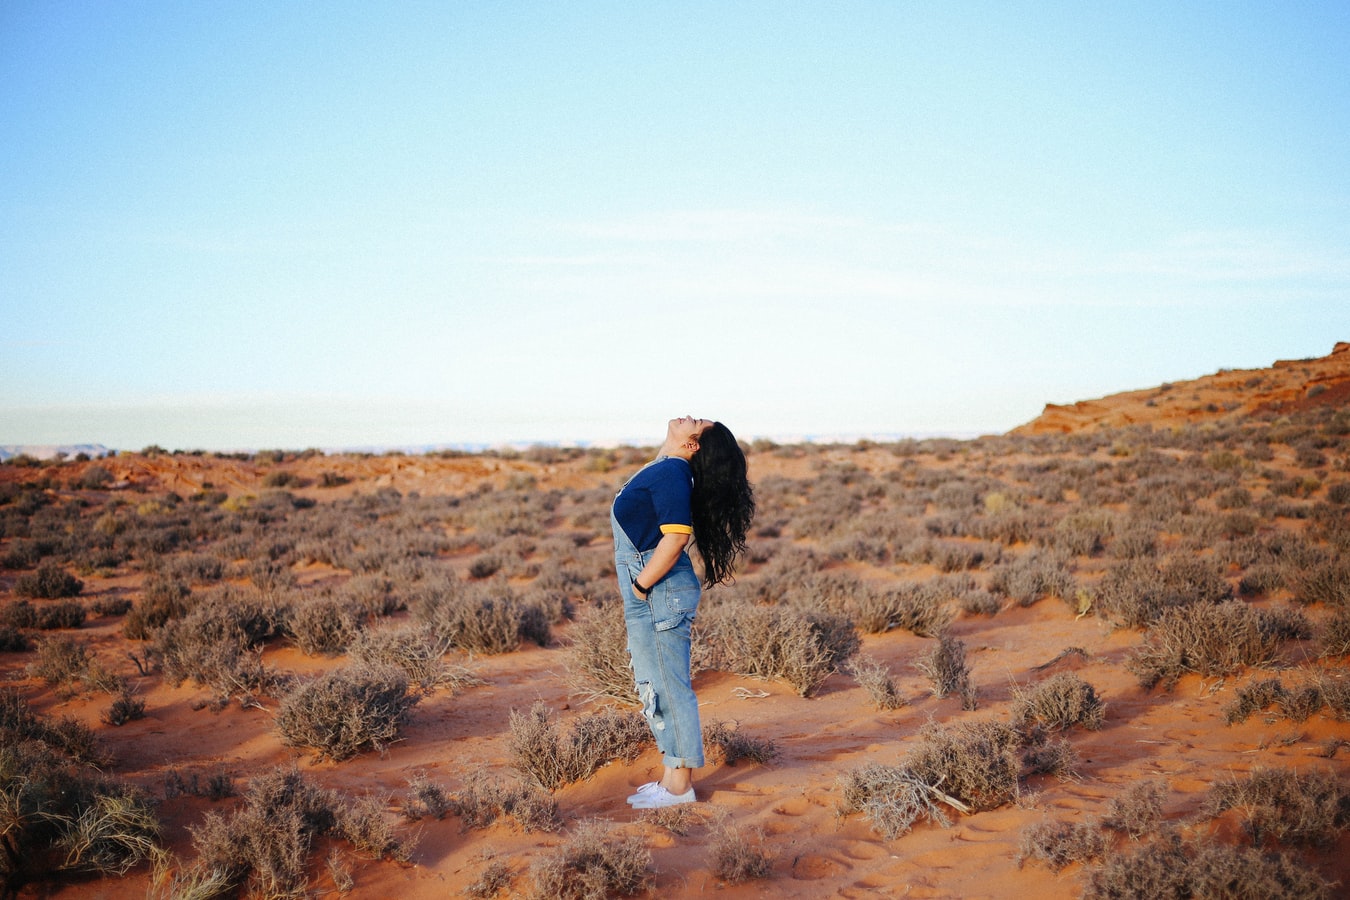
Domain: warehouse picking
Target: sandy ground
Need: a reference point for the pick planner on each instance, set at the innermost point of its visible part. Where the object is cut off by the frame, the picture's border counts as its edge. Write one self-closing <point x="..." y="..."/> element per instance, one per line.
<point x="1179" y="736"/>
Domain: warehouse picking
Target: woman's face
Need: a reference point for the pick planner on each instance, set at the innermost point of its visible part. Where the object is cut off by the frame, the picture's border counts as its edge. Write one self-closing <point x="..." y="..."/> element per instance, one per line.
<point x="686" y="429"/>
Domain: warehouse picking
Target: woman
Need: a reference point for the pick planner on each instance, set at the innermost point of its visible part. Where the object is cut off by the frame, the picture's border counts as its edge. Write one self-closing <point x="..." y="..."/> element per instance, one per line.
<point x="696" y="487"/>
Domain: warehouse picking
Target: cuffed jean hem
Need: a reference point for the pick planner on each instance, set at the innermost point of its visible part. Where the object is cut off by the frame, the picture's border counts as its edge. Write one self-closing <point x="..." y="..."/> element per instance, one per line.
<point x="678" y="762"/>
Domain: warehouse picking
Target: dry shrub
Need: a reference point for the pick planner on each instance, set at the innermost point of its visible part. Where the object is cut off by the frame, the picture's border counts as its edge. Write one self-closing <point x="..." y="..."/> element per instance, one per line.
<point x="945" y="668"/>
<point x="876" y="680"/>
<point x="215" y="786"/>
<point x="1253" y="698"/>
<point x="977" y="601"/>
<point x="1058" y="703"/>
<point x="18" y="614"/>
<point x="496" y="877"/>
<point x="425" y="799"/>
<point x="64" y="614"/>
<point x="975" y="762"/>
<point x="1281" y="805"/>
<point x="343" y="712"/>
<point x="61" y="661"/>
<point x="325" y="625"/>
<point x="66" y="736"/>
<point x="735" y="745"/>
<point x="1217" y="639"/>
<point x="891" y="798"/>
<point x="1138" y="811"/>
<point x="737" y="853"/>
<point x="970" y="766"/>
<point x="486" y="619"/>
<point x="1172" y="870"/>
<point x="366" y="827"/>
<point x="12" y="640"/>
<point x="1320" y="691"/>
<point x="164" y="598"/>
<point x="58" y="813"/>
<point x="483" y="800"/>
<point x="593" y="864"/>
<point x="913" y="607"/>
<point x="1083" y="532"/>
<point x="1057" y="844"/>
<point x="542" y="753"/>
<point x="213" y="644"/>
<point x="264" y="843"/>
<point x="125" y="708"/>
<point x="1050" y="757"/>
<point x="1135" y="593"/>
<point x="802" y="647"/>
<point x="1326" y="582"/>
<point x="598" y="661"/>
<point x="49" y="582"/>
<point x="415" y="650"/>
<point x="1033" y="576"/>
<point x="679" y="820"/>
<point x="1336" y="633"/>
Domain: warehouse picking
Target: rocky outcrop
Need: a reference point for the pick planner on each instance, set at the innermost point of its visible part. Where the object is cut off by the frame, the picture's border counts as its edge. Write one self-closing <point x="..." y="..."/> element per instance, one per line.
<point x="1286" y="387"/>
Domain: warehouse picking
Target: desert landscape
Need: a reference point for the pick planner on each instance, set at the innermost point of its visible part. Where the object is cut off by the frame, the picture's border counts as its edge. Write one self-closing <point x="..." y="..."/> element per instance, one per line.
<point x="1103" y="655"/>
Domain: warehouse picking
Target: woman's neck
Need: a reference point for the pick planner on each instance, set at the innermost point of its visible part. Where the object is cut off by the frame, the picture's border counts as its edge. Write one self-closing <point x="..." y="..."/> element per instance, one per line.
<point x="670" y="448"/>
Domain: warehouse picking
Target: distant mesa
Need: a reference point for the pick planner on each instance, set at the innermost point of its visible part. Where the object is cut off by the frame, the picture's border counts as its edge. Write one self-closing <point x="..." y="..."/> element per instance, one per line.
<point x="1288" y="386"/>
<point x="51" y="451"/>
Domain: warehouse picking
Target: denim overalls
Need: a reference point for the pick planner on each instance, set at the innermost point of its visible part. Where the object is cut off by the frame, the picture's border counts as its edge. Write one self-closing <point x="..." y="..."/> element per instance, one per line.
<point x="658" y="643"/>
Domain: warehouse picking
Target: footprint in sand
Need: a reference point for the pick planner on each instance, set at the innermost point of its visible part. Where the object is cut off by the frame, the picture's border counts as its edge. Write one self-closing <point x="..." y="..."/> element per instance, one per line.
<point x="812" y="868"/>
<point x="863" y="850"/>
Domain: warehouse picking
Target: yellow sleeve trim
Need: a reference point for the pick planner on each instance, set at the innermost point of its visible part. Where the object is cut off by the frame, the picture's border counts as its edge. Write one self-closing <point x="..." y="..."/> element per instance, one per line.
<point x="677" y="529"/>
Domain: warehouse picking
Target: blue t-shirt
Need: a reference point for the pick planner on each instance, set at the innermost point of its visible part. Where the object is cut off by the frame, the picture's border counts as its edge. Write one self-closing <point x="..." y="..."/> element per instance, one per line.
<point x="655" y="502"/>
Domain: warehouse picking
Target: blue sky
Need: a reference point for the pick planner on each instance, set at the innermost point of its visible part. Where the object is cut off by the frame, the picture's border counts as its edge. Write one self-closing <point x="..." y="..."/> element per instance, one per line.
<point x="236" y="225"/>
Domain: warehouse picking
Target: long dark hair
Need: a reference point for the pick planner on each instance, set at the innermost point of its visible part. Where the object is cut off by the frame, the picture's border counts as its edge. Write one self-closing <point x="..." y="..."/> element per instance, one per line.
<point x="723" y="502"/>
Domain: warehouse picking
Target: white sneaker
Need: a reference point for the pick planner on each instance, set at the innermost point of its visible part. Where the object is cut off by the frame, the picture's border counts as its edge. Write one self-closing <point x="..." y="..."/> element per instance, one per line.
<point x="643" y="791"/>
<point x="659" y="797"/>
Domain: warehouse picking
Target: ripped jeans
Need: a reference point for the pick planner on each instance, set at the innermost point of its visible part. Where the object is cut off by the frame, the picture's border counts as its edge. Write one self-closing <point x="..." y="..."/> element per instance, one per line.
<point x="658" y="644"/>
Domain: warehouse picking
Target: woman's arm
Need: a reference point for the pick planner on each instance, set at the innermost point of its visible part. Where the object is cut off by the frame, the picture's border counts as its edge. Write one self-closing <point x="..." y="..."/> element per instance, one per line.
<point x="663" y="559"/>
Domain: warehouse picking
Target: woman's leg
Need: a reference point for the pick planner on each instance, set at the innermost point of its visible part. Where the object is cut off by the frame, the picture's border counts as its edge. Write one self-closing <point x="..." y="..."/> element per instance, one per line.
<point x="678" y="781"/>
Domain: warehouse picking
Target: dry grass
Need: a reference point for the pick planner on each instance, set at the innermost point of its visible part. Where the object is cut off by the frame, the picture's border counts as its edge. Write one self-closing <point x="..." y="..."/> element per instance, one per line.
<point x="497" y="876"/>
<point x="801" y="647"/>
<point x="737" y="853"/>
<point x="425" y="799"/>
<point x="1138" y="812"/>
<point x="1281" y="805"/>
<point x="968" y="767"/>
<point x="343" y="712"/>
<point x="1058" y="703"/>
<point x="1171" y="868"/>
<point x="890" y="798"/>
<point x="1059" y="844"/>
<point x="549" y="758"/>
<point x="595" y="863"/>
<point x="1218" y="639"/>
<point x="483" y="799"/>
<point x="873" y="677"/>
<point x="598" y="663"/>
<point x="975" y="762"/>
<point x="735" y="745"/>
<point x="945" y="667"/>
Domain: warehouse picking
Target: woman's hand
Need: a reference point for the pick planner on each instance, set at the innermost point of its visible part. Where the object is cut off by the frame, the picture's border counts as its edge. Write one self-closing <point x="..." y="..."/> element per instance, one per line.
<point x="661" y="562"/>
